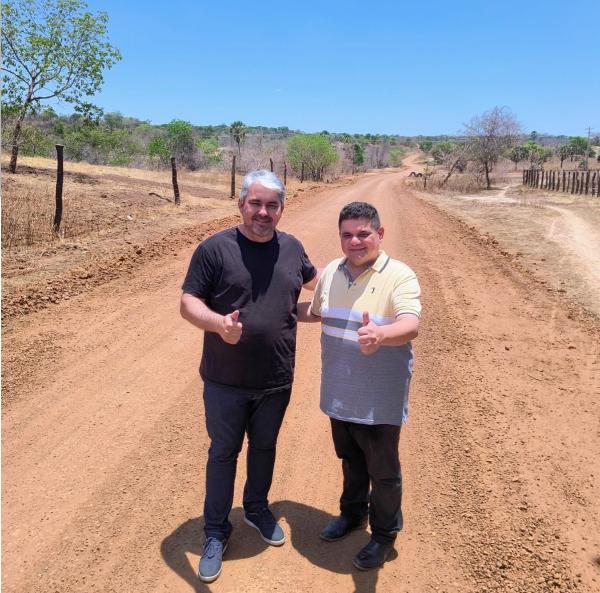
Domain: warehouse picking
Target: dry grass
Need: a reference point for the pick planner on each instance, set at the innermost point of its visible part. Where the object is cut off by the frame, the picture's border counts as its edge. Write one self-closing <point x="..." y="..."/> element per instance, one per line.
<point x="103" y="200"/>
<point x="27" y="217"/>
<point x="96" y="200"/>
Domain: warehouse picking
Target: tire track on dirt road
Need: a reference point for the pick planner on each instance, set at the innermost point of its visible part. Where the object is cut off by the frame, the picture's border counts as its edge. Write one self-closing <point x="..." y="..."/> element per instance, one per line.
<point x="104" y="446"/>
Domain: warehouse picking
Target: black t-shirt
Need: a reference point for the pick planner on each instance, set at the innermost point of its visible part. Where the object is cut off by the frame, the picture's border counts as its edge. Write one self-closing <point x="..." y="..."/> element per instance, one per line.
<point x="263" y="281"/>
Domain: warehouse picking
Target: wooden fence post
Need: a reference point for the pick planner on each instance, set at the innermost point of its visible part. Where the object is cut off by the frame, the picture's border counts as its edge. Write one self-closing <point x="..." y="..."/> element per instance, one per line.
<point x="284" y="173"/>
<point x="594" y="184"/>
<point x="174" y="180"/>
<point x="302" y="173"/>
<point x="564" y="178"/>
<point x="59" y="189"/>
<point x="587" y="182"/>
<point x="271" y="163"/>
<point x="232" y="177"/>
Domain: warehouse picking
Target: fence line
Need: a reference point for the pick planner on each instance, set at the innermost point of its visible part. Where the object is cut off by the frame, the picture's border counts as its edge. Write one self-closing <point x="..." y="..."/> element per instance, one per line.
<point x="573" y="182"/>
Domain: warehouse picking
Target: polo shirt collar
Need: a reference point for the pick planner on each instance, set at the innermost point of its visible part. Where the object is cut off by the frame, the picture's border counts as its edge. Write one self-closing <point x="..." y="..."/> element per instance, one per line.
<point x="377" y="265"/>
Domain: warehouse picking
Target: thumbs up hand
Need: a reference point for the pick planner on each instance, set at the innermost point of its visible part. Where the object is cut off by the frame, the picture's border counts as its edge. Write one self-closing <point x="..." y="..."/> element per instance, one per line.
<point x="231" y="328"/>
<point x="369" y="335"/>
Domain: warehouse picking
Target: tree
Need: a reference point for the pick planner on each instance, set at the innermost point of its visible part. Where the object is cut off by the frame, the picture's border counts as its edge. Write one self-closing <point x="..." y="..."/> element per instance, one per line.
<point x="426" y="145"/>
<point x="210" y="149"/>
<point x="52" y="49"/>
<point x="518" y="154"/>
<point x="563" y="152"/>
<point x="158" y="150"/>
<point x="441" y="150"/>
<point x="315" y="151"/>
<point x="238" y="133"/>
<point x="578" y="146"/>
<point x="180" y="141"/>
<point x="358" y="155"/>
<point x="396" y="156"/>
<point x="537" y="154"/>
<point x="490" y="135"/>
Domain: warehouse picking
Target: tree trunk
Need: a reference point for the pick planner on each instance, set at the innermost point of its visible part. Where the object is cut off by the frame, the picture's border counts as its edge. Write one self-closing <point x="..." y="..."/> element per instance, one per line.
<point x="487" y="175"/>
<point x="15" y="140"/>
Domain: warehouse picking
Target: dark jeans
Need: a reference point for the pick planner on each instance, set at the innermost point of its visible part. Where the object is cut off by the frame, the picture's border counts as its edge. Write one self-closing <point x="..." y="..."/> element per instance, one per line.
<point x="230" y="413"/>
<point x="369" y="455"/>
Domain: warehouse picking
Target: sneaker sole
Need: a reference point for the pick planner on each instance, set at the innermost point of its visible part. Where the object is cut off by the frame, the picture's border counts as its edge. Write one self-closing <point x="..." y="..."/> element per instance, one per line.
<point x="337" y="539"/>
<point x="271" y="542"/>
<point x="216" y="576"/>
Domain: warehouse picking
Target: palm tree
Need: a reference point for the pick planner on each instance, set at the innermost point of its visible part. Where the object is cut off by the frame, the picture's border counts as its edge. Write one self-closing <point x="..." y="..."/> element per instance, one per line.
<point x="238" y="133"/>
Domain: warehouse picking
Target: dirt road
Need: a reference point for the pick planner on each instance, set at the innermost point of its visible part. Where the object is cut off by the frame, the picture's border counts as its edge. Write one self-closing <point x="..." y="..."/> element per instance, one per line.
<point x="104" y="446"/>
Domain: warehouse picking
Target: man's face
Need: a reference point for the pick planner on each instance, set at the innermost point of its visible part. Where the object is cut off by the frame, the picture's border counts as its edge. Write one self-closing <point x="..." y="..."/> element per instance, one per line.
<point x="360" y="242"/>
<point x="261" y="211"/>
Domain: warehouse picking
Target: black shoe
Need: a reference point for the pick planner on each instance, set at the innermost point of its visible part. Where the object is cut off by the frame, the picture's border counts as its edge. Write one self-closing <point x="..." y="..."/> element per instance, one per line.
<point x="340" y="527"/>
<point x="372" y="555"/>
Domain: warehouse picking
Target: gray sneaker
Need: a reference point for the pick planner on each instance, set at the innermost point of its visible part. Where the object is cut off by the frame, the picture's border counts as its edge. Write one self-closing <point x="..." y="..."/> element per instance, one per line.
<point x="264" y="522"/>
<point x="211" y="561"/>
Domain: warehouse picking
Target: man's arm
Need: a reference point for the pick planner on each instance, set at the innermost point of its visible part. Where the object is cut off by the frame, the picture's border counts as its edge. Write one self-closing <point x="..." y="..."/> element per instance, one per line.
<point x="305" y="314"/>
<point x="197" y="313"/>
<point x="371" y="336"/>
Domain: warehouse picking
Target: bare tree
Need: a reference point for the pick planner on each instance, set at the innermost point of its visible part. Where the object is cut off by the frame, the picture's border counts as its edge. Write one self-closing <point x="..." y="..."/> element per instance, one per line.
<point x="491" y="134"/>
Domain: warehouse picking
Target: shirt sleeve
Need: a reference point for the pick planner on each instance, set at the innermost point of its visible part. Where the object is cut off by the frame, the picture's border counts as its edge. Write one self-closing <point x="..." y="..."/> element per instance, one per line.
<point x="200" y="278"/>
<point x="308" y="270"/>
<point x="406" y="297"/>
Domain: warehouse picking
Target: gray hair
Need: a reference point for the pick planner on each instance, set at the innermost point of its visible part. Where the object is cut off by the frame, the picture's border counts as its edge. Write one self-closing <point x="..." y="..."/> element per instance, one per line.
<point x="267" y="179"/>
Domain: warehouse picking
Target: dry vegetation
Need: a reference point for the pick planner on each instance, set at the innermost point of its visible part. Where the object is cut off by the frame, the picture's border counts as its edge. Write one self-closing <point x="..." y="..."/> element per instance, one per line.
<point x="114" y="219"/>
<point x="97" y="200"/>
<point x="554" y="234"/>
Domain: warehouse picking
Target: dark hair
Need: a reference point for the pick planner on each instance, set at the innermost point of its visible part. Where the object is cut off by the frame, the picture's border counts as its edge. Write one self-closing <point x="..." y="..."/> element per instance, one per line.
<point x="356" y="210"/>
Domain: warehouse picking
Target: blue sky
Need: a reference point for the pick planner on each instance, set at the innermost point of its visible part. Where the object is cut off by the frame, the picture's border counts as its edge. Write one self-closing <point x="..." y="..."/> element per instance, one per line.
<point x="379" y="67"/>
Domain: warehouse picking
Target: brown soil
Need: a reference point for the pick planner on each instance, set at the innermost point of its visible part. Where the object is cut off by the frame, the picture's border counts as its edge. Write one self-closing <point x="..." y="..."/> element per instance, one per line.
<point x="104" y="443"/>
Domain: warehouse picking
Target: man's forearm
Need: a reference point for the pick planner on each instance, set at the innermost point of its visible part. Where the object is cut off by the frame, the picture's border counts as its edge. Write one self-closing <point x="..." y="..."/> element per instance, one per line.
<point x="305" y="314"/>
<point x="197" y="313"/>
<point x="403" y="330"/>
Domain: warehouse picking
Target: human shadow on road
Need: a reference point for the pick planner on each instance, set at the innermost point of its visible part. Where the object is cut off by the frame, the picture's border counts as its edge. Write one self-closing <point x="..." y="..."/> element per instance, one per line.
<point x="188" y="538"/>
<point x="304" y="522"/>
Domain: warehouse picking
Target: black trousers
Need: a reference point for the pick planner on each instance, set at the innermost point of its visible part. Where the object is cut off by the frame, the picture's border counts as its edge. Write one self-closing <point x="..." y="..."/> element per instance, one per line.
<point x="230" y="414"/>
<point x="372" y="476"/>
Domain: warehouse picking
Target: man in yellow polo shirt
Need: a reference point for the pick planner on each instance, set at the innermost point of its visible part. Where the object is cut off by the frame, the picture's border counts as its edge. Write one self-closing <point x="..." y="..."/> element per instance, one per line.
<point x="369" y="307"/>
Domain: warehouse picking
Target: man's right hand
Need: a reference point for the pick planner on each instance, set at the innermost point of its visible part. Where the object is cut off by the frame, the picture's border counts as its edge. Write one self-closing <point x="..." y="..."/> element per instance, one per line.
<point x="231" y="329"/>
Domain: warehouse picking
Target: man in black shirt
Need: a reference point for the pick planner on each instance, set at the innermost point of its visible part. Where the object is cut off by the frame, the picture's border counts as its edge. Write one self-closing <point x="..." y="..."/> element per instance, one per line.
<point x="242" y="288"/>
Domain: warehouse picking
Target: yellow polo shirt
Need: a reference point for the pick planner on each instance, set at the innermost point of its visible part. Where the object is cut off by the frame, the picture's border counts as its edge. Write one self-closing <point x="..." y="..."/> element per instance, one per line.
<point x="354" y="387"/>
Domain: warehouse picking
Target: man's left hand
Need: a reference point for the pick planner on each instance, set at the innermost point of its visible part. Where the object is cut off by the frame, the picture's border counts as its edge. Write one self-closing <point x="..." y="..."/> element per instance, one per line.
<point x="370" y="335"/>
